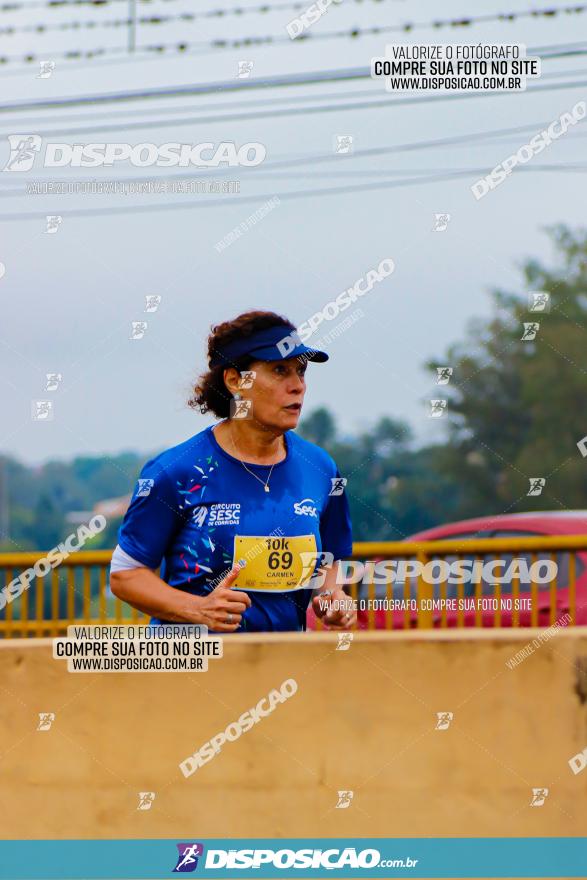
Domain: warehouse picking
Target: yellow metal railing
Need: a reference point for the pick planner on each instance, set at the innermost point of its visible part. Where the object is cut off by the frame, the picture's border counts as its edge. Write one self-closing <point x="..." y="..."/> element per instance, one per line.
<point x="76" y="590"/>
<point x="73" y="592"/>
<point x="568" y="551"/>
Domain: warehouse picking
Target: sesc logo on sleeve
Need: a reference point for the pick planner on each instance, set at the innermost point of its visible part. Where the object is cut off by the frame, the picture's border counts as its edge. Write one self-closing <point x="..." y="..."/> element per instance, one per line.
<point x="273" y="563"/>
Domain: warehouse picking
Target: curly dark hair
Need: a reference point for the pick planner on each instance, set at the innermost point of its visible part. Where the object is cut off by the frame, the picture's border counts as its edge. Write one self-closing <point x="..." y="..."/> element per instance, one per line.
<point x="210" y="394"/>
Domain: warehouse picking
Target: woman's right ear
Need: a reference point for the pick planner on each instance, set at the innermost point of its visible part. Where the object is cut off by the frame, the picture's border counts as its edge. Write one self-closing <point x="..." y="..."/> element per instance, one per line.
<point x="231" y="380"/>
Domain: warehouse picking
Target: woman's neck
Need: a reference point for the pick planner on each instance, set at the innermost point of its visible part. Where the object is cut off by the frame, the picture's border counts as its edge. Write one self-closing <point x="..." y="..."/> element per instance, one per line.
<point x="250" y="442"/>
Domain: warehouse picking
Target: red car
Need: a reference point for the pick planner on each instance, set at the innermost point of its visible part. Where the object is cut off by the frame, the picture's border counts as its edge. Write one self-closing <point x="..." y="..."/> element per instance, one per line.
<point x="515" y="525"/>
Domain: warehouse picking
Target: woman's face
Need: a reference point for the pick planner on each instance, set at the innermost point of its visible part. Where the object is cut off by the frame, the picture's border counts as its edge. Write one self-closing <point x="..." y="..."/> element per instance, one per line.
<point x="277" y="392"/>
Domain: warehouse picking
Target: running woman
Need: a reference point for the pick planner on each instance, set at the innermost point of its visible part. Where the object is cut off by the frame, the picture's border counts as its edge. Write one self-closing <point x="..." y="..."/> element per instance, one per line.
<point x="246" y="519"/>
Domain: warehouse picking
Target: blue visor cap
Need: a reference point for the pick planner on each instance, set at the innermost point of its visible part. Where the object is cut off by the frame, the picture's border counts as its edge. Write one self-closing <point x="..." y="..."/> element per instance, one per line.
<point x="273" y="344"/>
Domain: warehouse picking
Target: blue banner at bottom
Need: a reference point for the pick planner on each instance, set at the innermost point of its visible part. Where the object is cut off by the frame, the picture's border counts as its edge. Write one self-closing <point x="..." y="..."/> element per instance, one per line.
<point x="377" y="857"/>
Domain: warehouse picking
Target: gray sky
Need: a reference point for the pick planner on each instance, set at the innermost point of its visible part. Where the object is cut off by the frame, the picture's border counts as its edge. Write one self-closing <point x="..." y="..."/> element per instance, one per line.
<point x="68" y="300"/>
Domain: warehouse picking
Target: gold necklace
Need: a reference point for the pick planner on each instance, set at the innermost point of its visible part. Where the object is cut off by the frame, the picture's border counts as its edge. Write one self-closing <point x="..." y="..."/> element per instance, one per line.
<point x="266" y="484"/>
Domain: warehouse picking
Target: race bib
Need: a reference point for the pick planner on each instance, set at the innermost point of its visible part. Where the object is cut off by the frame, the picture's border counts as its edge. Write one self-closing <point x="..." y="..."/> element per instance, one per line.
<point x="275" y="563"/>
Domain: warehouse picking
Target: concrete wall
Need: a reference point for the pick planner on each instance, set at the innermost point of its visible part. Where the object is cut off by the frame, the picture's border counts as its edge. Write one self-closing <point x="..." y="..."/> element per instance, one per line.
<point x="362" y="719"/>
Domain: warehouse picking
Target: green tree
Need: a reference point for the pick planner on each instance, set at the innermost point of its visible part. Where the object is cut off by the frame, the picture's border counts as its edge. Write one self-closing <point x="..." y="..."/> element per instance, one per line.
<point x="34" y="501"/>
<point x="517" y="406"/>
<point x="393" y="490"/>
<point x="319" y="427"/>
<point x="48" y="525"/>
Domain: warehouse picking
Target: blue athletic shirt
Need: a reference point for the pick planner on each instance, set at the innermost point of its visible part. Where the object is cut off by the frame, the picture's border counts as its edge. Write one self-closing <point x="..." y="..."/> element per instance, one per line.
<point x="192" y="500"/>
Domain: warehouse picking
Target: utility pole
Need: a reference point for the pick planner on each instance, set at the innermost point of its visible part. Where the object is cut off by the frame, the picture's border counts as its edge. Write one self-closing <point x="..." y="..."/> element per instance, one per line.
<point x="132" y="25"/>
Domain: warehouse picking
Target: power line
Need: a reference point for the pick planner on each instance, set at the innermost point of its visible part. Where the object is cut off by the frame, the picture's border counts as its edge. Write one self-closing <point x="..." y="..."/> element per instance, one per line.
<point x="309" y="108"/>
<point x="565" y="50"/>
<point x="276" y="39"/>
<point x="208" y="13"/>
<point x="223" y="86"/>
<point x="297" y="111"/>
<point x="306" y="78"/>
<point x="42" y="27"/>
<point x="276" y="7"/>
<point x="370" y="153"/>
<point x="251" y="102"/>
<point x="151" y="19"/>
<point x="379" y="173"/>
<point x="287" y="196"/>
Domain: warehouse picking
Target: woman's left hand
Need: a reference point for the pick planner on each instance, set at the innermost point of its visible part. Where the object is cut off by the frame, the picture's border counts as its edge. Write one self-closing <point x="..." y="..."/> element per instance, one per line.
<point x="336" y="608"/>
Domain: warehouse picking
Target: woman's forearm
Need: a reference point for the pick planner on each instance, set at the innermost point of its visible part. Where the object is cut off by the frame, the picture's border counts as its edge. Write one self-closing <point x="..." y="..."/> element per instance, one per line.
<point x="144" y="590"/>
<point x="330" y="582"/>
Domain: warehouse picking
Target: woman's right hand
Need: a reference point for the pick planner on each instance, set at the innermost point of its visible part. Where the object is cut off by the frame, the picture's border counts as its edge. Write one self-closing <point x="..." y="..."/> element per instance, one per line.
<point x="222" y="609"/>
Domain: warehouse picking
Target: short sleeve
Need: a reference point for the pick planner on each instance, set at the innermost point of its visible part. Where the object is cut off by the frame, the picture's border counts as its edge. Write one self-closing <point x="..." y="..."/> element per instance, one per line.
<point x="152" y="518"/>
<point x="335" y="522"/>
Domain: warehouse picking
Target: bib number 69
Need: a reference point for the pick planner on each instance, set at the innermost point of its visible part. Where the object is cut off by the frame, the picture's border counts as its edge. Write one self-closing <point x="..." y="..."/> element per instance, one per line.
<point x="279" y="559"/>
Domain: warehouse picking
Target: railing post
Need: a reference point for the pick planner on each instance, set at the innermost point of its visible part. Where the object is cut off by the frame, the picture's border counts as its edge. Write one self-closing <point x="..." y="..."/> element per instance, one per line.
<point x="424" y="591"/>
